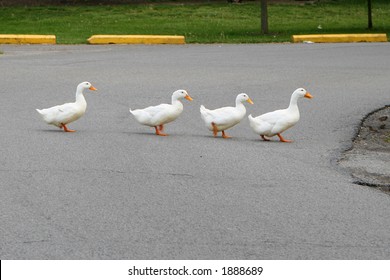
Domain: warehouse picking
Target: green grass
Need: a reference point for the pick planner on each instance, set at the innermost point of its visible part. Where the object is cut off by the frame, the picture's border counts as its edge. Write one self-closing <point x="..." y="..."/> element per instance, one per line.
<point x="199" y="22"/>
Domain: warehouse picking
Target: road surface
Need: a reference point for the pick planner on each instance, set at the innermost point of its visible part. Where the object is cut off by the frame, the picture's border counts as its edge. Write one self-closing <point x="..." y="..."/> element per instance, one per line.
<point x="114" y="190"/>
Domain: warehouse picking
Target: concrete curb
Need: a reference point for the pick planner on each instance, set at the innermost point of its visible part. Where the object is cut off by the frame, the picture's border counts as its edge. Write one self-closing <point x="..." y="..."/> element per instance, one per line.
<point x="339" y="38"/>
<point x="27" y="39"/>
<point x="136" y="39"/>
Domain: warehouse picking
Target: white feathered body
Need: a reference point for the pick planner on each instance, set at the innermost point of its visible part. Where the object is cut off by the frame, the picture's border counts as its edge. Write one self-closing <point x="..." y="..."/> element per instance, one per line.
<point x="65" y="113"/>
<point x="158" y="115"/>
<point x="272" y="123"/>
<point x="224" y="118"/>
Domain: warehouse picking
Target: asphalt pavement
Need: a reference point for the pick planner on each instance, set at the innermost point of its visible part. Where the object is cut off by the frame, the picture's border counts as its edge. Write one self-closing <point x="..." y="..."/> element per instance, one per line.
<point x="114" y="190"/>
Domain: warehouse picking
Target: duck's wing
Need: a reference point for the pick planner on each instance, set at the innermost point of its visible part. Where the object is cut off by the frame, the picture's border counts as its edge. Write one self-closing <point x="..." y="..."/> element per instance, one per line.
<point x="155" y="115"/>
<point x="221" y="116"/>
<point x="156" y="110"/>
<point x="278" y="121"/>
<point x="59" y="114"/>
<point x="272" y="117"/>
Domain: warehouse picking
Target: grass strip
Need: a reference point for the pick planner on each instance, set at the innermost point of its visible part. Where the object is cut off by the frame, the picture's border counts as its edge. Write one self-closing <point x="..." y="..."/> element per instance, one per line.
<point x="198" y="22"/>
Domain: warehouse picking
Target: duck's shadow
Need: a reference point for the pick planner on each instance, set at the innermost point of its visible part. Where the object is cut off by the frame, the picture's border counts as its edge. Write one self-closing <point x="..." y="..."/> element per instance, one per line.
<point x="181" y="135"/>
<point x="201" y="136"/>
<point x="53" y="131"/>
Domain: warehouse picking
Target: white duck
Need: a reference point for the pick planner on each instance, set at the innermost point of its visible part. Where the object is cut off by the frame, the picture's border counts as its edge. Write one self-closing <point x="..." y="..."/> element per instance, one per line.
<point x="61" y="115"/>
<point x="157" y="116"/>
<point x="274" y="123"/>
<point x="223" y="118"/>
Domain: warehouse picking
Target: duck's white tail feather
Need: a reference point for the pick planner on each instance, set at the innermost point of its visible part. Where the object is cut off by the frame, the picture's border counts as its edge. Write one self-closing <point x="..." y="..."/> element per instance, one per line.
<point x="136" y="112"/>
<point x="43" y="115"/>
<point x="141" y="116"/>
<point x="204" y="110"/>
<point x="47" y="117"/>
<point x="252" y="120"/>
<point x="204" y="113"/>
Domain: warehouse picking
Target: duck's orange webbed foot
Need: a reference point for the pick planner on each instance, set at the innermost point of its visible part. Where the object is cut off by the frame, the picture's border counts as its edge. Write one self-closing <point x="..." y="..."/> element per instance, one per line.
<point x="159" y="132"/>
<point x="224" y="135"/>
<point x="67" y="129"/>
<point x="282" y="139"/>
<point x="161" y="127"/>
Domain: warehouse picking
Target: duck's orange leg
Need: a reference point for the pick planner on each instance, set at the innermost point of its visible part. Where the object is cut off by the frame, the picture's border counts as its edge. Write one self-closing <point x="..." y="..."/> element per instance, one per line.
<point x="66" y="129"/>
<point x="159" y="132"/>
<point x="224" y="135"/>
<point x="161" y="127"/>
<point x="215" y="129"/>
<point x="265" y="139"/>
<point x="282" y="139"/>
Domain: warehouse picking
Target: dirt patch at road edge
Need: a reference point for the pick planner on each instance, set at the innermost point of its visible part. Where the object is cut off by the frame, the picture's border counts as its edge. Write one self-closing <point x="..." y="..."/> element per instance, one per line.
<point x="368" y="160"/>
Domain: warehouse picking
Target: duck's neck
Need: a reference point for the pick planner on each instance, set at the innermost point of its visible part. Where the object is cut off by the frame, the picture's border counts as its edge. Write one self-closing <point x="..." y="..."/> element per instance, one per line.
<point x="80" y="99"/>
<point x="240" y="106"/>
<point x="176" y="102"/>
<point x="293" y="103"/>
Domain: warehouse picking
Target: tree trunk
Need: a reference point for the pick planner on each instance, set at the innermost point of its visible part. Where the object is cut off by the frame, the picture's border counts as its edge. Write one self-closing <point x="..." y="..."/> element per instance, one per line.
<point x="264" y="17"/>
<point x="369" y="14"/>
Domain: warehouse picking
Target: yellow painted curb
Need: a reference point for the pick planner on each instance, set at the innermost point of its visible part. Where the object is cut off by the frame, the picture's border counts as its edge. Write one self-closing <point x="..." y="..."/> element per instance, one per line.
<point x="339" y="38"/>
<point x="136" y="39"/>
<point x="27" y="39"/>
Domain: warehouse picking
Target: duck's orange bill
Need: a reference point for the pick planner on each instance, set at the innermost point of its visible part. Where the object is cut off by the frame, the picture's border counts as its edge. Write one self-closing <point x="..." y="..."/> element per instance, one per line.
<point x="188" y="97"/>
<point x="92" y="88"/>
<point x="308" y="95"/>
<point x="250" y="101"/>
